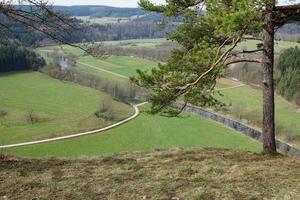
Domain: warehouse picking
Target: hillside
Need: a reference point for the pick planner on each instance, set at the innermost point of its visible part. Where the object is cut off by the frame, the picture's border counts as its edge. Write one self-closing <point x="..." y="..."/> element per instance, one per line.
<point x="35" y="106"/>
<point x="147" y="132"/>
<point x="194" y="174"/>
<point x="248" y="110"/>
<point x="100" y="11"/>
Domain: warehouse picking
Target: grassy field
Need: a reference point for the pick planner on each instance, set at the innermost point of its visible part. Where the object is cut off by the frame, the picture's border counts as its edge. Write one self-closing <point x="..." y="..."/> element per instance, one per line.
<point x="279" y="45"/>
<point x="193" y="174"/>
<point x="104" y="20"/>
<point x="145" y="133"/>
<point x="123" y="43"/>
<point x="246" y="102"/>
<point x="122" y="65"/>
<point x="125" y="66"/>
<point x="59" y="108"/>
<point x="137" y="42"/>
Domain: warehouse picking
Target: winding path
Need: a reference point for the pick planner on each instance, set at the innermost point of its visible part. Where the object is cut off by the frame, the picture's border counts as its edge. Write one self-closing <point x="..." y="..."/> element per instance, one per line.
<point x="136" y="114"/>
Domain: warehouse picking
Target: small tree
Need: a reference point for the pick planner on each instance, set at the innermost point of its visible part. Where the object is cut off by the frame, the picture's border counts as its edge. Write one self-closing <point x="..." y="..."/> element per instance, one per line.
<point x="106" y="110"/>
<point x="32" y="117"/>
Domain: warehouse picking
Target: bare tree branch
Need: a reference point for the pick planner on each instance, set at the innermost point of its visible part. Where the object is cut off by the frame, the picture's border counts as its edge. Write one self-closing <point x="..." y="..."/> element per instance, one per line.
<point x="252" y="51"/>
<point x="243" y="61"/>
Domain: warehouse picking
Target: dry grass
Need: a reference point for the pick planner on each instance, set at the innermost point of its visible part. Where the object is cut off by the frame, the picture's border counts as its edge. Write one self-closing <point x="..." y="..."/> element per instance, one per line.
<point x="206" y="174"/>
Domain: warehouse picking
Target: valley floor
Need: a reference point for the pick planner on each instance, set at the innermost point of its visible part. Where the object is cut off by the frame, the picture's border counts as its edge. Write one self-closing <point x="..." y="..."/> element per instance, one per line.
<point x="162" y="174"/>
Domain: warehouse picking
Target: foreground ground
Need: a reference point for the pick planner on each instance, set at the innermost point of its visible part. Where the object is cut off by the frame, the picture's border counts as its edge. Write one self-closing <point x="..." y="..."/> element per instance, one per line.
<point x="162" y="174"/>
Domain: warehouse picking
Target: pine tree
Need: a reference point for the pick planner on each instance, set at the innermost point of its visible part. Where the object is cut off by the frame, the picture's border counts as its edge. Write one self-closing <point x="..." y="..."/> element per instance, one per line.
<point x="208" y="37"/>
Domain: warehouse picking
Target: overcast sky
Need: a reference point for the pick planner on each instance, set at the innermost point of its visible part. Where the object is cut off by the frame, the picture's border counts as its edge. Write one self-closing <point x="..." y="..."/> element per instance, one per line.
<point x="122" y="3"/>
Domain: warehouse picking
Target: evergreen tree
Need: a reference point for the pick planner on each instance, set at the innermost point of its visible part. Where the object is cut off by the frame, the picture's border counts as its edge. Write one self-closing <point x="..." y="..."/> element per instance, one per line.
<point x="14" y="57"/>
<point x="208" y="36"/>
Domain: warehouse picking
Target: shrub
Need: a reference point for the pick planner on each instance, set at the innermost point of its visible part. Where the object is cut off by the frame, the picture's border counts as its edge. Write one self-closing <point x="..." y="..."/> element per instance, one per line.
<point x="32" y="117"/>
<point x="106" y="110"/>
<point x="3" y="113"/>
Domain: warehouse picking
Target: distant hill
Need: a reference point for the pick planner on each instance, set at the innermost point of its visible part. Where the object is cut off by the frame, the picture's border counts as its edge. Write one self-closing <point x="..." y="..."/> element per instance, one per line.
<point x="100" y="11"/>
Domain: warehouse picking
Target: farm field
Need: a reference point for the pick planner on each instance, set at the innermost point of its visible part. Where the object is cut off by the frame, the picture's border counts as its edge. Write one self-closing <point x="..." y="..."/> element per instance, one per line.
<point x="145" y="133"/>
<point x="137" y="42"/>
<point x="279" y="45"/>
<point x="57" y="108"/>
<point x="123" y="65"/>
<point x="103" y="20"/>
<point x="123" y="43"/>
<point x="113" y="68"/>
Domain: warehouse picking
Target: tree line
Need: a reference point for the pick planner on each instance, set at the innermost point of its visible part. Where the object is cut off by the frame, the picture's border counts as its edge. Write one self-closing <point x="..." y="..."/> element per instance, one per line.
<point x="288" y="75"/>
<point x="14" y="57"/>
<point x="134" y="29"/>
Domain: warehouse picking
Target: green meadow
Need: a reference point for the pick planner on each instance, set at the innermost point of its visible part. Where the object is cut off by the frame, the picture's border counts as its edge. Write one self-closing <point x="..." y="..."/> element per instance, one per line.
<point x="57" y="108"/>
<point x="145" y="133"/>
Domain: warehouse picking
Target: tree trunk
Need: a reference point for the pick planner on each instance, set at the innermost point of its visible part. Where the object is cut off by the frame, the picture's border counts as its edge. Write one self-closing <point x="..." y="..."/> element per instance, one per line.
<point x="269" y="144"/>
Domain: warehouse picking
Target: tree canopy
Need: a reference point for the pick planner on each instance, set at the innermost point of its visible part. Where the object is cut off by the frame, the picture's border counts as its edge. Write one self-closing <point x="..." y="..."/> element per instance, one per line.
<point x="207" y="39"/>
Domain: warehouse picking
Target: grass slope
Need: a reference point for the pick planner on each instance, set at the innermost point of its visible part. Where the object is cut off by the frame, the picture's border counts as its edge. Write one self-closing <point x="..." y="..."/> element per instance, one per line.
<point x="62" y="108"/>
<point x="163" y="174"/>
<point x="122" y="65"/>
<point x="144" y="133"/>
<point x="248" y="101"/>
<point x="279" y="45"/>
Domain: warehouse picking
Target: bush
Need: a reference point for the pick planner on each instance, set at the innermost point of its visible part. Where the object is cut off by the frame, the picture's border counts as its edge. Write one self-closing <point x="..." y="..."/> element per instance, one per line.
<point x="106" y="110"/>
<point x="3" y="113"/>
<point x="32" y="117"/>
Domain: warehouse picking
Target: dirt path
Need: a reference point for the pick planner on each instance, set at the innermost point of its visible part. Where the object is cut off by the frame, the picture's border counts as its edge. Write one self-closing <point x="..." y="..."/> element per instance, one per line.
<point x="229" y="88"/>
<point x="103" y="70"/>
<point x="136" y="114"/>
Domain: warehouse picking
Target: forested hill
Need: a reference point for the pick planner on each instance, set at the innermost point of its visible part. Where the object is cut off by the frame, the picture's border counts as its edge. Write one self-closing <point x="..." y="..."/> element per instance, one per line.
<point x="100" y="11"/>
